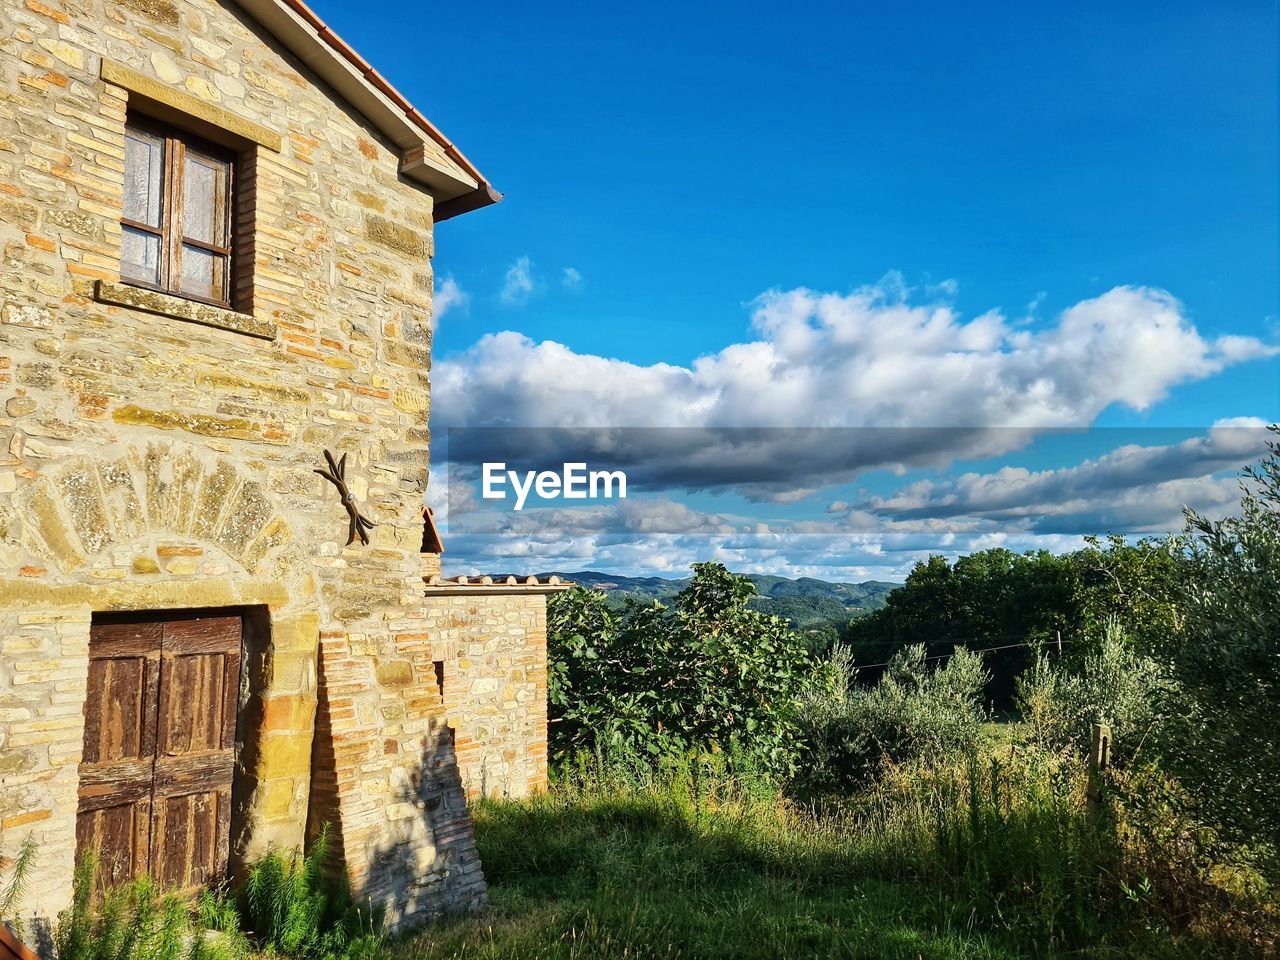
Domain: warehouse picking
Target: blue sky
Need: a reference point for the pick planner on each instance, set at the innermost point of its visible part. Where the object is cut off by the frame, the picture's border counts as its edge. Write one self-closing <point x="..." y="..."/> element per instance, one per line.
<point x="972" y="158"/>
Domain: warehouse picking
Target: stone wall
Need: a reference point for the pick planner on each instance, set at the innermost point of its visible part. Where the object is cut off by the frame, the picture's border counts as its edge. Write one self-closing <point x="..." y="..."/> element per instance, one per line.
<point x="386" y="776"/>
<point x="495" y="642"/>
<point x="155" y="455"/>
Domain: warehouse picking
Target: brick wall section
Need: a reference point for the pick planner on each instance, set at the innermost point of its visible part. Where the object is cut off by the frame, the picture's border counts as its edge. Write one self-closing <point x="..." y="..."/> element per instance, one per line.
<point x="394" y="761"/>
<point x="386" y="781"/>
<point x="496" y="646"/>
<point x="147" y="462"/>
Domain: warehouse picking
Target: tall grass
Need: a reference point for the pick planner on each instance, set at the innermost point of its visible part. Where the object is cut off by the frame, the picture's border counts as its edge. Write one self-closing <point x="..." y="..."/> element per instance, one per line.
<point x="295" y="906"/>
<point x="702" y="857"/>
<point x="1001" y="845"/>
<point x="979" y="858"/>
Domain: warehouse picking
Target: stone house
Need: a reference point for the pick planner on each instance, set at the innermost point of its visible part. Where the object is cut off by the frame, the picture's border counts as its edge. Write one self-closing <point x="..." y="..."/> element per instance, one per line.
<point x="217" y="224"/>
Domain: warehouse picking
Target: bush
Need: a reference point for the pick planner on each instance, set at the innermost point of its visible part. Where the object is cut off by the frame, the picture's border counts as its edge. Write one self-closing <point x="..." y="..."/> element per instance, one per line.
<point x="1222" y="740"/>
<point x="138" y="921"/>
<point x="1112" y="684"/>
<point x="298" y="909"/>
<point x="708" y="673"/>
<point x="850" y="734"/>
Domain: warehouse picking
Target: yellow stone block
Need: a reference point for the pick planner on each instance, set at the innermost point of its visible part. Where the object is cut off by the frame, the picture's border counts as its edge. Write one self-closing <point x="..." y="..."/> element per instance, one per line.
<point x="285" y="755"/>
<point x="276" y="798"/>
<point x="71" y="56"/>
<point x="299" y="634"/>
<point x="290" y="671"/>
<point x="203" y="89"/>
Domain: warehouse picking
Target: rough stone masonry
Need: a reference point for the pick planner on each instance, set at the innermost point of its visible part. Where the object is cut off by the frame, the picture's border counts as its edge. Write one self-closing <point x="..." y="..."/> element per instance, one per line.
<point x="157" y="452"/>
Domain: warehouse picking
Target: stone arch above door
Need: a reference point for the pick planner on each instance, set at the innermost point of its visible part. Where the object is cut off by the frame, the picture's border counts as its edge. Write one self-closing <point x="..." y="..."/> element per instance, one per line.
<point x="148" y="493"/>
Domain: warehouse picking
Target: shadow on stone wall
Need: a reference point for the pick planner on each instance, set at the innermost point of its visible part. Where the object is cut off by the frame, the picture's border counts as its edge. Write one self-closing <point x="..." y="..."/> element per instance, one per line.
<point x="410" y="849"/>
<point x="254" y="668"/>
<point x="427" y="864"/>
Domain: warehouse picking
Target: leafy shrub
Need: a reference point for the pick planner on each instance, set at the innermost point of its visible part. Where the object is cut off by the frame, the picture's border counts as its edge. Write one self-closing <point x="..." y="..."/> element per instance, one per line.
<point x="138" y="921"/>
<point x="1221" y="739"/>
<point x="298" y="909"/>
<point x="652" y="681"/>
<point x="1113" y="683"/>
<point x="851" y="733"/>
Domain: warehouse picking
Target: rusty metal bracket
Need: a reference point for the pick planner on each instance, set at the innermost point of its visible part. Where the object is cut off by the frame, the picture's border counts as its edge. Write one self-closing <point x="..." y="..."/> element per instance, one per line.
<point x="336" y="474"/>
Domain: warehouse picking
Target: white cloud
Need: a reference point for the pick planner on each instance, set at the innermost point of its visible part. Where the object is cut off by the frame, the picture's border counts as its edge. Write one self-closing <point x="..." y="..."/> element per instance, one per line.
<point x="839" y="383"/>
<point x="866" y="359"/>
<point x="571" y="279"/>
<point x="1131" y="489"/>
<point x="859" y="359"/>
<point x="565" y="540"/>
<point x="518" y="285"/>
<point x="448" y="297"/>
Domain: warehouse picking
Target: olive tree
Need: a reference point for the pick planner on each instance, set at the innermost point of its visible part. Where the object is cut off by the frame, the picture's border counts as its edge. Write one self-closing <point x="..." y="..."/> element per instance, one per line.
<point x="1222" y="736"/>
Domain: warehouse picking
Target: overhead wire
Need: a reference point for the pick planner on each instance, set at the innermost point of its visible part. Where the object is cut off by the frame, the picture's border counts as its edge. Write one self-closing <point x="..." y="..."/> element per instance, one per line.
<point x="942" y="656"/>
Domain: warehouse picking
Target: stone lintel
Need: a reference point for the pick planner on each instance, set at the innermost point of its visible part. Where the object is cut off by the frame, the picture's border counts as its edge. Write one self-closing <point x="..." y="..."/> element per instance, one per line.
<point x="184" y="103"/>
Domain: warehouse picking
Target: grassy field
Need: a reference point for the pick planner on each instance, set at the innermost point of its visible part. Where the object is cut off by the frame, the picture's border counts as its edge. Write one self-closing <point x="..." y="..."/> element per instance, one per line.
<point x="984" y="862"/>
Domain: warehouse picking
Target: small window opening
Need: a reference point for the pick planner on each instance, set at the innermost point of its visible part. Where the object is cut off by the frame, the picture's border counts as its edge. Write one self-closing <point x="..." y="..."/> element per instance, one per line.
<point x="439" y="668"/>
<point x="177" y="221"/>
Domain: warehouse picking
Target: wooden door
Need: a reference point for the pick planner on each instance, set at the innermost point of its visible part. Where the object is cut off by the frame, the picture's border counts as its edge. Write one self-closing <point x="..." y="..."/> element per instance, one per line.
<point x="155" y="781"/>
<point x="117" y="766"/>
<point x="195" y="751"/>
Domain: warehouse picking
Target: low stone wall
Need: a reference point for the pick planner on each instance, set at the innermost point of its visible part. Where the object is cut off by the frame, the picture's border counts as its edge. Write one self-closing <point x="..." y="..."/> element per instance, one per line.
<point x="386" y="781"/>
<point x="495" y="639"/>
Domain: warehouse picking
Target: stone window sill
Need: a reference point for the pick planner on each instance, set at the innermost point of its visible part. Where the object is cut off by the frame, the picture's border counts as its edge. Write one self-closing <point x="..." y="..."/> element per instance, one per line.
<point x="167" y="305"/>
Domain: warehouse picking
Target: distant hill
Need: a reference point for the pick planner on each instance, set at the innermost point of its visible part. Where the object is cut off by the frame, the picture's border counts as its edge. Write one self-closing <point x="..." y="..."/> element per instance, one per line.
<point x="806" y="601"/>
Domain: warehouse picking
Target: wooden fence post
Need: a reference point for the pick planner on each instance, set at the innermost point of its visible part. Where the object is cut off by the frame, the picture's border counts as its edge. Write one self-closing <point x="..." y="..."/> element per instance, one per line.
<point x="1099" y="760"/>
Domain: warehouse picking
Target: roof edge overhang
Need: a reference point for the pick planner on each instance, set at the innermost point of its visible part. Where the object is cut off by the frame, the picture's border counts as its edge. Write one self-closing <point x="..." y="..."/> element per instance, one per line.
<point x="454" y="182"/>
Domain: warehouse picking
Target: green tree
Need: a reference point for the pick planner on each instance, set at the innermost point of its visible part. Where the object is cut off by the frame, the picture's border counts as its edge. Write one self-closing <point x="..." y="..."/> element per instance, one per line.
<point x="991" y="598"/>
<point x="1222" y="738"/>
<point x="706" y="673"/>
<point x="1139" y="584"/>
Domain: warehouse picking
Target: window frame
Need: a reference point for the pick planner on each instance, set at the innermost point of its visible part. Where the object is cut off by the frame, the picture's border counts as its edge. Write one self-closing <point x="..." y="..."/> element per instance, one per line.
<point x="171" y="234"/>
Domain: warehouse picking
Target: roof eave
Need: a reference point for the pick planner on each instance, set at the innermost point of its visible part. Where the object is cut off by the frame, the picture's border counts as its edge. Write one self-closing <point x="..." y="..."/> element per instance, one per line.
<point x="457" y="186"/>
<point x="484" y="196"/>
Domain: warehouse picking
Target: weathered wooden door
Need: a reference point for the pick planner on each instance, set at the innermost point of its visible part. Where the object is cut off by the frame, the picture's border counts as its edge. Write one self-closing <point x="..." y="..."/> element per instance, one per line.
<point x="159" y="749"/>
<point x="118" y="763"/>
